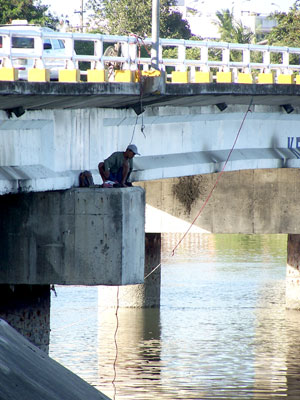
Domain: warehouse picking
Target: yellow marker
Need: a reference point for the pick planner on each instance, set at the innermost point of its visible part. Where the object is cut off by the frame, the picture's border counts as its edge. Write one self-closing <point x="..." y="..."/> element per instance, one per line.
<point x="180" y="76"/>
<point x="96" y="75"/>
<point x="38" y="75"/>
<point x="224" y="77"/>
<point x="244" y="78"/>
<point x="203" y="77"/>
<point x="69" y="75"/>
<point x="8" y="74"/>
<point x="125" y="76"/>
<point x="285" y="79"/>
<point x="267" y="78"/>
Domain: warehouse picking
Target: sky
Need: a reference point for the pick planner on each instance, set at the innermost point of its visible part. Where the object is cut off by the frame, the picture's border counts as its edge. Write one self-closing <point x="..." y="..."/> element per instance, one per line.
<point x="68" y="7"/>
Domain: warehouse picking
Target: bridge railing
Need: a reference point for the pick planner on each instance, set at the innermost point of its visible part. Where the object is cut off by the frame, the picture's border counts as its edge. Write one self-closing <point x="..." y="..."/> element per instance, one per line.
<point x="128" y="52"/>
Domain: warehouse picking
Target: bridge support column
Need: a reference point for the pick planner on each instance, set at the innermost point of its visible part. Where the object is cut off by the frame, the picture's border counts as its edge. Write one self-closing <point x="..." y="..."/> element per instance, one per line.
<point x="27" y="309"/>
<point x="293" y="272"/>
<point x="144" y="295"/>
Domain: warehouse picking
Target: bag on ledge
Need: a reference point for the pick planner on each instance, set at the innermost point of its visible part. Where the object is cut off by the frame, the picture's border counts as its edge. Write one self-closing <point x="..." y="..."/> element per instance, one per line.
<point x="86" y="179"/>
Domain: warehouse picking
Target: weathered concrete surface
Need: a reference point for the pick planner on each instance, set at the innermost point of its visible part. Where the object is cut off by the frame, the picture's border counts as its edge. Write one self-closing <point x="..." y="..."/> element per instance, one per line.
<point x="144" y="295"/>
<point x="27" y="309"/>
<point x="251" y="201"/>
<point x="293" y="272"/>
<point x="80" y="236"/>
<point x="27" y="373"/>
<point x="36" y="95"/>
<point x="46" y="149"/>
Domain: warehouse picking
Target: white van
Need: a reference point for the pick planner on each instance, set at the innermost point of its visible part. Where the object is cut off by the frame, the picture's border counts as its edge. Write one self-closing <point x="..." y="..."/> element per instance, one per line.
<point x="28" y="45"/>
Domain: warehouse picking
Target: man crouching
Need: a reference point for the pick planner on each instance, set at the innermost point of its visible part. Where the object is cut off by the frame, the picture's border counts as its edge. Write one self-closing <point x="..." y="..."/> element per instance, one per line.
<point x="117" y="167"/>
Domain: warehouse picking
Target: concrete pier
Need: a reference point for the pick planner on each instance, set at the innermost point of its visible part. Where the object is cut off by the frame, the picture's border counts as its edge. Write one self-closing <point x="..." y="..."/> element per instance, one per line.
<point x="81" y="236"/>
<point x="27" y="309"/>
<point x="144" y="295"/>
<point x="293" y="272"/>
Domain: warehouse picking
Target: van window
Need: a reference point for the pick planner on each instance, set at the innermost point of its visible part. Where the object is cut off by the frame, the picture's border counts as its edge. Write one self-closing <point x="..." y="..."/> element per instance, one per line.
<point x="22" y="43"/>
<point x="61" y="44"/>
<point x="58" y="44"/>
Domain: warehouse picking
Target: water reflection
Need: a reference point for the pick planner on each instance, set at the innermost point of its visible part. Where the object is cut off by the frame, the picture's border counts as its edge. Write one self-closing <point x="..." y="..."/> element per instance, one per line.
<point x="222" y="331"/>
<point x="138" y="349"/>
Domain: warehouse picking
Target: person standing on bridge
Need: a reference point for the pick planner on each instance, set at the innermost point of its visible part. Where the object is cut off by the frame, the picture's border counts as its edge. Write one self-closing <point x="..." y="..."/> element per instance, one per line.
<point x="117" y="167"/>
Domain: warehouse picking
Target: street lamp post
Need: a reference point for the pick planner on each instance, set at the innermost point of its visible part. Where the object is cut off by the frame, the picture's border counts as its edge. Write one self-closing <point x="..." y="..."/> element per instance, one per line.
<point x="155" y="35"/>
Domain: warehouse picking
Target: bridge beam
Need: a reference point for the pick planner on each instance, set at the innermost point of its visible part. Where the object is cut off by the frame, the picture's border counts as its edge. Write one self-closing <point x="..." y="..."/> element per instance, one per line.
<point x="258" y="201"/>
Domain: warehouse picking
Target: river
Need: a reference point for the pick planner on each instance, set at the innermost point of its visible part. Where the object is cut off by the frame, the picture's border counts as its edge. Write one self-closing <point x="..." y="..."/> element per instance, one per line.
<point x="222" y="331"/>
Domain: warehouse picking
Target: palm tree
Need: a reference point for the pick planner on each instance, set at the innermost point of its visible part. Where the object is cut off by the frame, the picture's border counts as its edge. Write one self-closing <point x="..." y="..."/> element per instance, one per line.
<point x="231" y="30"/>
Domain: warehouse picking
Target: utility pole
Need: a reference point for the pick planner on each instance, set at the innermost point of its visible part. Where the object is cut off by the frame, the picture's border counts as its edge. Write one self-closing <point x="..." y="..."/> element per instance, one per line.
<point x="155" y="34"/>
<point x="81" y="19"/>
<point x="81" y="16"/>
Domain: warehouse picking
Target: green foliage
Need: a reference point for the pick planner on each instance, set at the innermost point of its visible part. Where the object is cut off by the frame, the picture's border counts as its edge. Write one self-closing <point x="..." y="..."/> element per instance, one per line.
<point x="173" y="26"/>
<point x="122" y="17"/>
<point x="33" y="11"/>
<point x="231" y="30"/>
<point x="84" y="47"/>
<point x="286" y="33"/>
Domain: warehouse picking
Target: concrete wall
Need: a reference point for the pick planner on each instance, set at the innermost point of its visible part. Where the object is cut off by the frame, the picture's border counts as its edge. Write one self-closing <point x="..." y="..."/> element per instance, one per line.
<point x="45" y="150"/>
<point x="27" y="309"/>
<point x="251" y="201"/>
<point x="28" y="373"/>
<point x="80" y="236"/>
<point x="143" y="295"/>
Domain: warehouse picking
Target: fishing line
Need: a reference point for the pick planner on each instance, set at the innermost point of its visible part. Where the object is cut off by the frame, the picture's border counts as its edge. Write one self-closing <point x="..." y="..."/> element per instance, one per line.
<point x="213" y="188"/>
<point x="116" y="346"/>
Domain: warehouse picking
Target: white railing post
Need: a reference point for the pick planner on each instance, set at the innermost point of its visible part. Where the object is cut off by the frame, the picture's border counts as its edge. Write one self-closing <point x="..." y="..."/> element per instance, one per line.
<point x="204" y="58"/>
<point x="181" y="58"/>
<point x="132" y="54"/>
<point x="285" y="62"/>
<point x="266" y="60"/>
<point x="6" y="46"/>
<point x="39" y="44"/>
<point x="98" y="52"/>
<point x="69" y="46"/>
<point x="226" y="59"/>
<point x="125" y="54"/>
<point x="247" y="60"/>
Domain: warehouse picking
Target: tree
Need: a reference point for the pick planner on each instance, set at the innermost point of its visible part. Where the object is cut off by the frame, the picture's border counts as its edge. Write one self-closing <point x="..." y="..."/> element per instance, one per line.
<point x="286" y="33"/>
<point x="32" y="11"/>
<point x="121" y="17"/>
<point x="231" y="30"/>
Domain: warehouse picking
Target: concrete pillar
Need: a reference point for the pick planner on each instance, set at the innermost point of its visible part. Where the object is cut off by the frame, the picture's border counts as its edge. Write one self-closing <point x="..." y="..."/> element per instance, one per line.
<point x="293" y="272"/>
<point x="27" y="309"/>
<point x="142" y="295"/>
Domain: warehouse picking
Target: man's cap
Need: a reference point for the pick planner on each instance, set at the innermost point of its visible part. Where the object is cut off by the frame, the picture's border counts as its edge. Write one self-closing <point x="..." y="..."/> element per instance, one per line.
<point x="133" y="148"/>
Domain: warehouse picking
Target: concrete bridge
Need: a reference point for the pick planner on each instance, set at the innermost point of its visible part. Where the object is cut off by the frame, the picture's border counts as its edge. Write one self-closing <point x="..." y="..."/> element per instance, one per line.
<point x="66" y="128"/>
<point x="54" y="232"/>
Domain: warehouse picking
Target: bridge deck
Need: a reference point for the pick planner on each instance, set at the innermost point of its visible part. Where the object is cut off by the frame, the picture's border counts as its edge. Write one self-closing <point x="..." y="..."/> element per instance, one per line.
<point x="55" y="95"/>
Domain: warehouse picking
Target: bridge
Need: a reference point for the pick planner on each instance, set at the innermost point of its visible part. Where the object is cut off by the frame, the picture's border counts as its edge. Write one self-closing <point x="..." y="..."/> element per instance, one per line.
<point x="184" y="119"/>
<point x="206" y="94"/>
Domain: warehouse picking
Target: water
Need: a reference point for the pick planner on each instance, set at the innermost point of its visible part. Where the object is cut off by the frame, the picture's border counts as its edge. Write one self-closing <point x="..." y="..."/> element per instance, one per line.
<point x="222" y="331"/>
